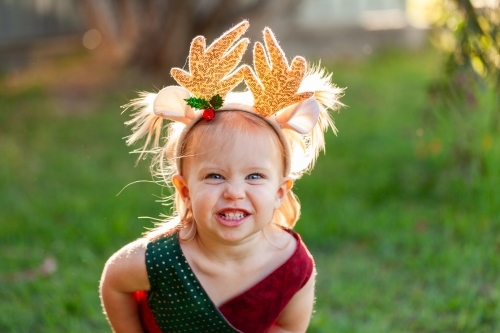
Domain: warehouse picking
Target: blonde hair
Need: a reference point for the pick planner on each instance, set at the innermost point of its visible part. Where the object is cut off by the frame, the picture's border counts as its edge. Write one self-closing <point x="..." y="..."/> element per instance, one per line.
<point x="303" y="149"/>
<point x="226" y="126"/>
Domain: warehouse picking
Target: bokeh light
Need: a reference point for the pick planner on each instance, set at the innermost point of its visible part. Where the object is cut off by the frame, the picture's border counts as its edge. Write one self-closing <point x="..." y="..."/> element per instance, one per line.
<point x="92" y="39"/>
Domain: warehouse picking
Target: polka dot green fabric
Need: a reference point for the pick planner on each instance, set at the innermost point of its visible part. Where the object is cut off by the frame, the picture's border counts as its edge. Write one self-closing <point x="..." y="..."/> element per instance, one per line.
<point x="176" y="297"/>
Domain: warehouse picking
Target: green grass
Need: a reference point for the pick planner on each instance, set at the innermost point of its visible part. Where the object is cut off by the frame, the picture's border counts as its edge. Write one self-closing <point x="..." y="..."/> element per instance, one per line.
<point x="397" y="249"/>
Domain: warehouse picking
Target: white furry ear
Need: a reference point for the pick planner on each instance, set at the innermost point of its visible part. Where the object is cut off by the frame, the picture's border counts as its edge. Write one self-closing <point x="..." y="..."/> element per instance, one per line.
<point x="299" y="117"/>
<point x="170" y="104"/>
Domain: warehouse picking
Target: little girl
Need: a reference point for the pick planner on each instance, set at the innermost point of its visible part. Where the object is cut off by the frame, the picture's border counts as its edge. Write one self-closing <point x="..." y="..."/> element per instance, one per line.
<point x="227" y="260"/>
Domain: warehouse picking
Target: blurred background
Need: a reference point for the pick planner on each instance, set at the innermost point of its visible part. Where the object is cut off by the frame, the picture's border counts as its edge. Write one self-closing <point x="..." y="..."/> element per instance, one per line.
<point x="402" y="213"/>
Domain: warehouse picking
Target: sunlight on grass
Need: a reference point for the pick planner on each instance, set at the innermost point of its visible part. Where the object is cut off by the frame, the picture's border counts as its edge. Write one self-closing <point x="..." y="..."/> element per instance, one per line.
<point x="393" y="253"/>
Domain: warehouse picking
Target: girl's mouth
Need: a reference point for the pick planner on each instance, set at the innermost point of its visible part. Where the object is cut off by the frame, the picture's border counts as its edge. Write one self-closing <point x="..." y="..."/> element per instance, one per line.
<point x="232" y="218"/>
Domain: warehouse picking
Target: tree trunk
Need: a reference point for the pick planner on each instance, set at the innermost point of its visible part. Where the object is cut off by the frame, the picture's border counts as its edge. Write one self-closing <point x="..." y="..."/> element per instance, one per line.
<point x="154" y="35"/>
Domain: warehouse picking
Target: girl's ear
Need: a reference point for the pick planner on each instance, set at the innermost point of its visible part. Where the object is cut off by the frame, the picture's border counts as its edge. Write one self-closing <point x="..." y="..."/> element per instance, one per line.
<point x="181" y="187"/>
<point x="285" y="187"/>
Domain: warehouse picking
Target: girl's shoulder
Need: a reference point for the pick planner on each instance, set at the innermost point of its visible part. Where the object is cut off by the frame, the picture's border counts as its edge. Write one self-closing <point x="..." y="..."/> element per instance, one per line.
<point x="300" y="247"/>
<point x="131" y="251"/>
<point x="286" y="239"/>
<point x="287" y="249"/>
<point x="128" y="261"/>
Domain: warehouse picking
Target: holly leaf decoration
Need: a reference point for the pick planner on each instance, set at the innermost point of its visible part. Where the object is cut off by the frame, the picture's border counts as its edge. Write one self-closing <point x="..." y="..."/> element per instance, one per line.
<point x="216" y="102"/>
<point x="197" y="103"/>
<point x="202" y="104"/>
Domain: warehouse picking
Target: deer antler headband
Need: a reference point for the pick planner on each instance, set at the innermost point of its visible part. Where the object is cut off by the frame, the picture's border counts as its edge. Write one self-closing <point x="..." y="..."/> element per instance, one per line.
<point x="287" y="97"/>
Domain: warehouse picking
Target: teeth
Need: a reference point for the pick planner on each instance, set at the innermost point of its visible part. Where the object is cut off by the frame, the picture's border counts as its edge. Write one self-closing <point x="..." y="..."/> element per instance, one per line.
<point x="233" y="216"/>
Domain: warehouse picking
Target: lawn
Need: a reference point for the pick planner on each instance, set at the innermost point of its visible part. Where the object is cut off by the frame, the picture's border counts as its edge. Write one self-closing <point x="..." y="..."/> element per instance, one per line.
<point x="397" y="249"/>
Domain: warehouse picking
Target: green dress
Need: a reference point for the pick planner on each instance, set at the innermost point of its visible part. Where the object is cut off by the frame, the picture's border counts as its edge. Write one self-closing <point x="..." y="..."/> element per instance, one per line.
<point x="176" y="298"/>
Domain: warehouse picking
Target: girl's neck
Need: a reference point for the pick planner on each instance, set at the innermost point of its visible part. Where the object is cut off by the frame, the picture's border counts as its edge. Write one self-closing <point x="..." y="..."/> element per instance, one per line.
<point x="231" y="252"/>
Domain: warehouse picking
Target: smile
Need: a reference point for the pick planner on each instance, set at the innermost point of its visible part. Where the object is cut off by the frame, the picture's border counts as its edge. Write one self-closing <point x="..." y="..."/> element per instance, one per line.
<point x="233" y="216"/>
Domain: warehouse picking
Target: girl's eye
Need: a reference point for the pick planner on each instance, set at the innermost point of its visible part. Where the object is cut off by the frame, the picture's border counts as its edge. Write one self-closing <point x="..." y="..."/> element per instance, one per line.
<point x="213" y="176"/>
<point x="254" y="176"/>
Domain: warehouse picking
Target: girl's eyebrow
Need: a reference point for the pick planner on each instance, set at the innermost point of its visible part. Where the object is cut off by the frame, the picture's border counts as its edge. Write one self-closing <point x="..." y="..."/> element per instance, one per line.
<point x="208" y="169"/>
<point x="247" y="169"/>
<point x="212" y="168"/>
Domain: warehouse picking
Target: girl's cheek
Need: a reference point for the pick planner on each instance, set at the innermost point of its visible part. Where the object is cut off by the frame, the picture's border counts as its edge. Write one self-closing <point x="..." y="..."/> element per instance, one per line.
<point x="207" y="194"/>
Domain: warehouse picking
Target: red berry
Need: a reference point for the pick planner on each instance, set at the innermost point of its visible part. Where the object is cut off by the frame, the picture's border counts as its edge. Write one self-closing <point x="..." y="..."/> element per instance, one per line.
<point x="208" y="114"/>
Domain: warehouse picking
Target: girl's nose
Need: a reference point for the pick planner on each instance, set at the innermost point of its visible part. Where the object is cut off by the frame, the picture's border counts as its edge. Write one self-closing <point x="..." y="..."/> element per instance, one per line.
<point x="234" y="191"/>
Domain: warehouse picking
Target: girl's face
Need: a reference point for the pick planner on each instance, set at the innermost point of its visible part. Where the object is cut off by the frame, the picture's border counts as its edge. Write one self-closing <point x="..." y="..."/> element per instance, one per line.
<point x="233" y="188"/>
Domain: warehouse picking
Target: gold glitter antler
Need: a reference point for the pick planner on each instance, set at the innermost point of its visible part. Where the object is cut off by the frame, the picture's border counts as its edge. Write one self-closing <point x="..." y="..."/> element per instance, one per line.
<point x="211" y="68"/>
<point x="276" y="85"/>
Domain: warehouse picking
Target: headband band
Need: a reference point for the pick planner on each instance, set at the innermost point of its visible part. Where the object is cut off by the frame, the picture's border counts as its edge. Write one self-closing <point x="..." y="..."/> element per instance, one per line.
<point x="270" y="121"/>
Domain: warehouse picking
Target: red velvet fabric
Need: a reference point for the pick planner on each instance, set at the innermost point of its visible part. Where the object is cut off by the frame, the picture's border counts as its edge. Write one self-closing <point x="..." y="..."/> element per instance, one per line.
<point x="147" y="316"/>
<point x="258" y="308"/>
